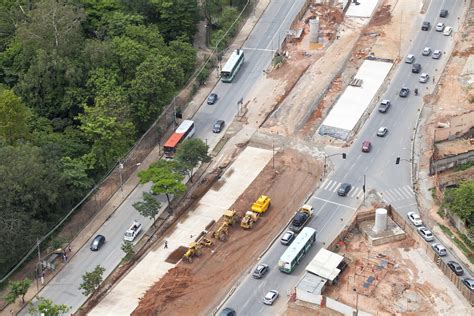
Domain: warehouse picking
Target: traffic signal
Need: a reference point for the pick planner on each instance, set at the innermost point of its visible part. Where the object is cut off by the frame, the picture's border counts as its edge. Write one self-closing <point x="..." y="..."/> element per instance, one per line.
<point x="343" y="155"/>
<point x="179" y="114"/>
<point x="397" y="161"/>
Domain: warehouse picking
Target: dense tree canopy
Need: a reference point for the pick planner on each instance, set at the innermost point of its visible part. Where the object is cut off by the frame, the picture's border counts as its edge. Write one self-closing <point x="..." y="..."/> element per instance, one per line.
<point x="461" y="202"/>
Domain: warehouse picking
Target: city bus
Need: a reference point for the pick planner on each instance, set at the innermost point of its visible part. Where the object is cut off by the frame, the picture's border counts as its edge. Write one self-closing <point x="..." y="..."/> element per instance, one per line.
<point x="297" y="250"/>
<point x="185" y="130"/>
<point x="232" y="65"/>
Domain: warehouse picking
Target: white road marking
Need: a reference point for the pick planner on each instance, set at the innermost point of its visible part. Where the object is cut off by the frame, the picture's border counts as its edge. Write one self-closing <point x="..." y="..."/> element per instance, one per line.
<point x="333" y="186"/>
<point x="259" y="49"/>
<point x="324" y="183"/>
<point x="326" y="187"/>
<point x="338" y="204"/>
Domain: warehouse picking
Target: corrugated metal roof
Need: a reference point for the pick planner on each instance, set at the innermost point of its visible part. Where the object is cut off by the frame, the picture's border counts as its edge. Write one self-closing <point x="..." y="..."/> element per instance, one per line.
<point x="325" y="264"/>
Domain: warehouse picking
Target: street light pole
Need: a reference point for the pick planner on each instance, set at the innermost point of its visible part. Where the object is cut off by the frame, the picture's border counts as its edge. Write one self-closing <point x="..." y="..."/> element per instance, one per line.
<point x="363" y="188"/>
<point x="357" y="303"/>
<point x="120" y="175"/>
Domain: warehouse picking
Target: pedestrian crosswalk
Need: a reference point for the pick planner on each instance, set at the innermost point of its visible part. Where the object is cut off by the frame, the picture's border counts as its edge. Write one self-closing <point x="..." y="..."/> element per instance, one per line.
<point x="333" y="185"/>
<point x="396" y="194"/>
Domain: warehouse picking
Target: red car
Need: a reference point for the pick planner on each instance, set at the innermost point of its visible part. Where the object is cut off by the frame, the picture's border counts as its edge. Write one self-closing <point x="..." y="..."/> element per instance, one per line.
<point x="366" y="146"/>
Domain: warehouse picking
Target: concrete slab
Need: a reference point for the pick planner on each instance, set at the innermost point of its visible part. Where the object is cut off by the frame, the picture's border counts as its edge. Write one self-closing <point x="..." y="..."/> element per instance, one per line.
<point x="124" y="297"/>
<point x="354" y="101"/>
<point x="364" y="9"/>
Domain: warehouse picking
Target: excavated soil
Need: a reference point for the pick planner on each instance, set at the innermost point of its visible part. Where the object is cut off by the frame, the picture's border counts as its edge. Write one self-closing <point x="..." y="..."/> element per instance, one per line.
<point x="191" y="288"/>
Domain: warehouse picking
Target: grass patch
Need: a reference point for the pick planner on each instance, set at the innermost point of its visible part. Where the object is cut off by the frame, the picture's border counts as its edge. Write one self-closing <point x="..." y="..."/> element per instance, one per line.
<point x="461" y="245"/>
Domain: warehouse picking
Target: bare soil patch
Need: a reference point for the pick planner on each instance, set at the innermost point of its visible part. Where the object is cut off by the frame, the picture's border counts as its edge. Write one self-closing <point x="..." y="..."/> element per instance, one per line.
<point x="191" y="288"/>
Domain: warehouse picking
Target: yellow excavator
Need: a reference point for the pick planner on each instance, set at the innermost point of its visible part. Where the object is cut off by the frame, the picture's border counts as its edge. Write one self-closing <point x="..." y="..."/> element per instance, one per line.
<point x="194" y="249"/>
<point x="261" y="205"/>
<point x="230" y="217"/>
<point x="222" y="232"/>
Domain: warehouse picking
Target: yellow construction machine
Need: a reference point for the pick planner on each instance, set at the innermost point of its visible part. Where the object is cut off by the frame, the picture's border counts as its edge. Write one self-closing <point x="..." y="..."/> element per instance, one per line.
<point x="194" y="250"/>
<point x="248" y="220"/>
<point x="230" y="217"/>
<point x="222" y="232"/>
<point x="261" y="205"/>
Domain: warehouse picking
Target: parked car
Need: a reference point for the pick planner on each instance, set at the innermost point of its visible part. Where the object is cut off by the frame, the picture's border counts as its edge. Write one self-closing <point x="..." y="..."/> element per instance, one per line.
<point x="227" y="312"/>
<point x="425" y="233"/>
<point x="344" y="188"/>
<point x="426" y="51"/>
<point x="260" y="271"/>
<point x="447" y="31"/>
<point x="218" y="126"/>
<point x="440" y="250"/>
<point x="425" y="26"/>
<point x="270" y="297"/>
<point x="366" y="146"/>
<point x="404" y="92"/>
<point x="469" y="283"/>
<point x="382" y="131"/>
<point x="443" y="13"/>
<point x="384" y="106"/>
<point x="212" y="98"/>
<point x="456" y="267"/>
<point x="287" y="237"/>
<point x="424" y="78"/>
<point x="440" y="27"/>
<point x="416" y="68"/>
<point x="97" y="242"/>
<point x="410" y="59"/>
<point x="414" y="218"/>
<point x="436" y="54"/>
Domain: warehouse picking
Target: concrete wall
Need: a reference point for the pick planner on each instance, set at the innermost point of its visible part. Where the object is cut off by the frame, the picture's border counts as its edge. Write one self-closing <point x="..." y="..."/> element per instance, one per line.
<point x="459" y="125"/>
<point x="443" y="164"/>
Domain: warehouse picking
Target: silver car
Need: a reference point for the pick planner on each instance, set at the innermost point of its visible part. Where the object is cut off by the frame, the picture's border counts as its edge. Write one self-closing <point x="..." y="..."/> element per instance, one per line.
<point x="410" y="59"/>
<point x="440" y="27"/>
<point x="382" y="131"/>
<point x="287" y="238"/>
<point x="426" y="51"/>
<point x="440" y="250"/>
<point x="436" y="54"/>
<point x="425" y="233"/>
<point x="270" y="297"/>
<point x="424" y="78"/>
<point x="414" y="218"/>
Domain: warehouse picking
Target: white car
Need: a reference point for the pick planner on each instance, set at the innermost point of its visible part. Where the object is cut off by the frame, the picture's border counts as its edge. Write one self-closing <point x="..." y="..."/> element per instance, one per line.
<point x="382" y="131"/>
<point x="414" y="218"/>
<point x="448" y="30"/>
<point x="426" y="51"/>
<point x="410" y="59"/>
<point x="425" y="233"/>
<point x="440" y="27"/>
<point x="424" y="78"/>
<point x="270" y="297"/>
<point x="440" y="250"/>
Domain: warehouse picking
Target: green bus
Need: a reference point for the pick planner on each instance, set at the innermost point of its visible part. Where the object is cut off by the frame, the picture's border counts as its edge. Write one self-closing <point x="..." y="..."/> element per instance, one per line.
<point x="297" y="250"/>
<point x="232" y="65"/>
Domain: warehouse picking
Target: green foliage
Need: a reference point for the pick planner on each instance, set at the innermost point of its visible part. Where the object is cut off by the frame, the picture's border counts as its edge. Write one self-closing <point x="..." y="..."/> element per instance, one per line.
<point x="127" y="248"/>
<point x="226" y="28"/>
<point x="464" y="166"/>
<point x="461" y="202"/>
<point x="469" y="253"/>
<point x="192" y="152"/>
<point x="91" y="280"/>
<point x="149" y="207"/>
<point x="46" y="307"/>
<point x="17" y="289"/>
<point x="166" y="177"/>
<point x="14" y="117"/>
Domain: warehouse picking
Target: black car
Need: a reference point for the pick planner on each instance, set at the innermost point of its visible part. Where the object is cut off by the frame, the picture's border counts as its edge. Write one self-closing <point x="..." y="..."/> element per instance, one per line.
<point x="443" y="13"/>
<point x="97" y="242"/>
<point x="416" y="68"/>
<point x="212" y="98"/>
<point x="260" y="271"/>
<point x="227" y="312"/>
<point x="404" y="92"/>
<point x="344" y="189"/>
<point x="218" y="126"/>
<point x="425" y="26"/>
<point x="456" y="267"/>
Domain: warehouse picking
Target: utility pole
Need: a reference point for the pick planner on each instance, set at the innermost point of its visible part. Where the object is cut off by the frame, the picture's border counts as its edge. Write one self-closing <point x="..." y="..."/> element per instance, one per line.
<point x="120" y="175"/>
<point x="39" y="269"/>
<point x="363" y="188"/>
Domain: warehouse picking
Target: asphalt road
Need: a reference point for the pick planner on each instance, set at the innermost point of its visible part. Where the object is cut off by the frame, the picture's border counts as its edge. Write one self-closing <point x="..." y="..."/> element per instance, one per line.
<point x="378" y="167"/>
<point x="268" y="32"/>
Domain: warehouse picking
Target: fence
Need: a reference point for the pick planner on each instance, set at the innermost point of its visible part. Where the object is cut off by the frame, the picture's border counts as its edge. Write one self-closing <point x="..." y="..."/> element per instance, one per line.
<point x="443" y="164"/>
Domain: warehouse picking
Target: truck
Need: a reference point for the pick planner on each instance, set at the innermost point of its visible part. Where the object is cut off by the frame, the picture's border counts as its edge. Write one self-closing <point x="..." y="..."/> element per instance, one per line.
<point x="261" y="205"/>
<point x="248" y="220"/>
<point x="133" y="231"/>
<point x="301" y="217"/>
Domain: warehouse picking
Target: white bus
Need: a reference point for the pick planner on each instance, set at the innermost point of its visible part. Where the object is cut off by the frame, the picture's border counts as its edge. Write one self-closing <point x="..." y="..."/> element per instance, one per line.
<point x="297" y="250"/>
<point x="232" y="65"/>
<point x="185" y="130"/>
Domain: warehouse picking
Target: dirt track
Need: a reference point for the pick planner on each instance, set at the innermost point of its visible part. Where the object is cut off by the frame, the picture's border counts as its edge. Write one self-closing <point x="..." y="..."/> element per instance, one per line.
<point x="195" y="288"/>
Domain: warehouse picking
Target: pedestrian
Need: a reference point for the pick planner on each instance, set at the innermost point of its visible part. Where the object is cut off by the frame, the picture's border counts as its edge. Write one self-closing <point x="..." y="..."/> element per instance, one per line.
<point x="65" y="257"/>
<point x="166" y="244"/>
<point x="69" y="248"/>
<point x="433" y="79"/>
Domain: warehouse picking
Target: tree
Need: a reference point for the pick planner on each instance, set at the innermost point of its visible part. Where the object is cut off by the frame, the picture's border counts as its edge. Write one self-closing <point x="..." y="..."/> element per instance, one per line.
<point x="17" y="289"/>
<point x="166" y="178"/>
<point x="190" y="153"/>
<point x="127" y="247"/>
<point x="46" y="307"/>
<point x="91" y="280"/>
<point x="461" y="202"/>
<point x="149" y="207"/>
<point x="14" y="117"/>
